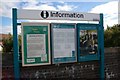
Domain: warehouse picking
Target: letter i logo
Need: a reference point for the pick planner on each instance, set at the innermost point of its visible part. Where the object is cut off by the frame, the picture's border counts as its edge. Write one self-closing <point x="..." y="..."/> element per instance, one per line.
<point x="44" y="14"/>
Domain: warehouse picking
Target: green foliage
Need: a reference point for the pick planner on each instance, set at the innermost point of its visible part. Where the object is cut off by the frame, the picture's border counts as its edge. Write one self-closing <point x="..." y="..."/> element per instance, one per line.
<point x="7" y="43"/>
<point x="19" y="40"/>
<point x="112" y="36"/>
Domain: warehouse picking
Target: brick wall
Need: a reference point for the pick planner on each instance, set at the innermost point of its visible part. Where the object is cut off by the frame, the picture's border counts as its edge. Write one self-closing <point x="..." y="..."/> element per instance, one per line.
<point x="84" y="70"/>
<point x="112" y="63"/>
<point x="66" y="71"/>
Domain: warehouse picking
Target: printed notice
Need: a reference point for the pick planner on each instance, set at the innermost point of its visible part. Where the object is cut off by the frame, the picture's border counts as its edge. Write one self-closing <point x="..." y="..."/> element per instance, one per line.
<point x="63" y="42"/>
<point x="35" y="45"/>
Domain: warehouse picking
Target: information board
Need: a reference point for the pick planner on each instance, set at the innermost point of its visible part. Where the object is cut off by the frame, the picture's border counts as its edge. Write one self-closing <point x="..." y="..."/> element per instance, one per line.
<point x="63" y="43"/>
<point x="35" y="44"/>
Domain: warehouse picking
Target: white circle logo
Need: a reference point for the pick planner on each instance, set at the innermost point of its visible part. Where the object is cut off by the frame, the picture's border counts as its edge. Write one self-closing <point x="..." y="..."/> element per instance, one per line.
<point x="44" y="14"/>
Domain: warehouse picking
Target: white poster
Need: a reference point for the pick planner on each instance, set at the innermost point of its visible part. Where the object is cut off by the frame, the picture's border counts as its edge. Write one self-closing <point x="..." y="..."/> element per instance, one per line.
<point x="35" y="45"/>
<point x="63" y="42"/>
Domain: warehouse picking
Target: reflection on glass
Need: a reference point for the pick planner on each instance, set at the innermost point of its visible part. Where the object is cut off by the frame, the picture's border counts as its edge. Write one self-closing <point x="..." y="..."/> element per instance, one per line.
<point x="88" y="42"/>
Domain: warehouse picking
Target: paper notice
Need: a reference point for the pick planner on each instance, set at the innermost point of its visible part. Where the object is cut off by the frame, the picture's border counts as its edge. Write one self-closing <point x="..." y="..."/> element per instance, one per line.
<point x="35" y="45"/>
<point x="64" y="42"/>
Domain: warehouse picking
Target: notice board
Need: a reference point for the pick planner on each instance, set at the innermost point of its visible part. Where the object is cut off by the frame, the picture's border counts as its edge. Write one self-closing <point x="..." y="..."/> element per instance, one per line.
<point x="35" y="44"/>
<point x="63" y="43"/>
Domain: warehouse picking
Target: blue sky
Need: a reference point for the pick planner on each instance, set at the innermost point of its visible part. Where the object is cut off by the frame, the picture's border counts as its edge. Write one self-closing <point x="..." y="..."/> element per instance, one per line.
<point x="108" y="8"/>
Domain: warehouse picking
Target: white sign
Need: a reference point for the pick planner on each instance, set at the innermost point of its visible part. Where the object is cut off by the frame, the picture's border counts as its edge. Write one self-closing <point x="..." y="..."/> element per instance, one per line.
<point x="56" y="15"/>
<point x="63" y="42"/>
<point x="35" y="45"/>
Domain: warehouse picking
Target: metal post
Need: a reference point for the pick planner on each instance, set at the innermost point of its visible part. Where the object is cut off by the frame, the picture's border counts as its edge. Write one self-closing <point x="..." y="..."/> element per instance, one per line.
<point x="15" y="44"/>
<point x="102" y="72"/>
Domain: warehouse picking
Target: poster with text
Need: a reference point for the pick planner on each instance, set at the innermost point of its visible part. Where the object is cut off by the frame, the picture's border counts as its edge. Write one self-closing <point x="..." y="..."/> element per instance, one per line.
<point x="63" y="43"/>
<point x="35" y="44"/>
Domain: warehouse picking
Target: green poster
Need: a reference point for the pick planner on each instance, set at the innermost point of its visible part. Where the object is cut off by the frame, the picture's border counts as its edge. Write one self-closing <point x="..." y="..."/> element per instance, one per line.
<point x="35" y="44"/>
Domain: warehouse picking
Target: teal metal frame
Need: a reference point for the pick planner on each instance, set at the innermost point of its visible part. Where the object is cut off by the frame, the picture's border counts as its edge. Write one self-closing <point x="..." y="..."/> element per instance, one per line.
<point x="15" y="45"/>
<point x="16" y="51"/>
<point x="102" y="72"/>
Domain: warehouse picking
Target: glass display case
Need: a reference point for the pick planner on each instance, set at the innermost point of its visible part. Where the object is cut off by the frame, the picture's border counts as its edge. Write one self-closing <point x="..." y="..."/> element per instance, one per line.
<point x="88" y="44"/>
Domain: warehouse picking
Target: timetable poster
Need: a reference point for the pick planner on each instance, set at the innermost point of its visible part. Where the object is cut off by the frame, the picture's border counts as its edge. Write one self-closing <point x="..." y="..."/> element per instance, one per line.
<point x="63" y="43"/>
